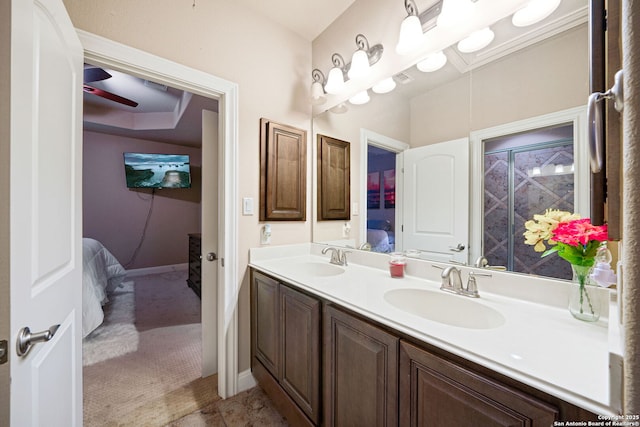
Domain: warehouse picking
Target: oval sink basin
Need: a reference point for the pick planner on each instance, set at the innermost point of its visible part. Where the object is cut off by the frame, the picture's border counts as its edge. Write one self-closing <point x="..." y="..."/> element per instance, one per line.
<point x="316" y="269"/>
<point x="441" y="307"/>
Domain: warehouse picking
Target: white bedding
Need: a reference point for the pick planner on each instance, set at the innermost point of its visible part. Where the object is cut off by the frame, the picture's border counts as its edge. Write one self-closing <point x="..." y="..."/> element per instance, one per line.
<point x="101" y="272"/>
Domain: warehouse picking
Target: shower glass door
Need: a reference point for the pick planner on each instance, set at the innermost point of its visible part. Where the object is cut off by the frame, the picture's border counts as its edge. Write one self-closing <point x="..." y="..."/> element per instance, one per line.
<point x="523" y="178"/>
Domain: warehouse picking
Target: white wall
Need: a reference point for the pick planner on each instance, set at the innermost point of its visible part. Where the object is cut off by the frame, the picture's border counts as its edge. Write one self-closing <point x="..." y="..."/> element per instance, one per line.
<point x="541" y="79"/>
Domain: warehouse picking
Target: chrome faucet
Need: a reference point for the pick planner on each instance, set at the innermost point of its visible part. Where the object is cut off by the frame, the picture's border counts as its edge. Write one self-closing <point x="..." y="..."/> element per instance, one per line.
<point x="451" y="280"/>
<point x="338" y="256"/>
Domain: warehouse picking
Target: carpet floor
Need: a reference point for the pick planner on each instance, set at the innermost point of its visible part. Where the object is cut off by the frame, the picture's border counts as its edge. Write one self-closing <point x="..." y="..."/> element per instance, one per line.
<point x="158" y="383"/>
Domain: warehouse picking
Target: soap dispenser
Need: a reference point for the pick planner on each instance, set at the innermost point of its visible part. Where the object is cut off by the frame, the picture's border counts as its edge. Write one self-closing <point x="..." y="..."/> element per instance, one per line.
<point x="602" y="274"/>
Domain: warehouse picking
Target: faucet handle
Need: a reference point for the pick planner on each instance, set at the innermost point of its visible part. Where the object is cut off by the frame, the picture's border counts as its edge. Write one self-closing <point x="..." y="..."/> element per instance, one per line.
<point x="343" y="257"/>
<point x="472" y="286"/>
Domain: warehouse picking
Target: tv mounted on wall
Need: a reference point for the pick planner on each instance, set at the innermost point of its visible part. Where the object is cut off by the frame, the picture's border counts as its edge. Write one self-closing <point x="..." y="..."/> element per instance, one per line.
<point x="143" y="170"/>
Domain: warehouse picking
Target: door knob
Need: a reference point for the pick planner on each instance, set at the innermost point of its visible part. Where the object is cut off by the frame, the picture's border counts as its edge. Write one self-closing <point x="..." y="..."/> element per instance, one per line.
<point x="211" y="256"/>
<point x="458" y="248"/>
<point x="26" y="339"/>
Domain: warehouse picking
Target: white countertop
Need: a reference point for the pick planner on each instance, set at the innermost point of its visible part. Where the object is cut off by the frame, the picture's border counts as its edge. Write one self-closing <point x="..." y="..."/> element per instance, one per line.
<point x="539" y="345"/>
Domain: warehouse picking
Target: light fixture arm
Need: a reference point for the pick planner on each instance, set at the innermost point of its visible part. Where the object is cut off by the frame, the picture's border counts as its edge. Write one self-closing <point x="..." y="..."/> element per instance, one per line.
<point x="362" y="42"/>
<point x="429" y="17"/>
<point x="374" y="53"/>
<point x="318" y="76"/>
<point x="338" y="61"/>
<point x="411" y="8"/>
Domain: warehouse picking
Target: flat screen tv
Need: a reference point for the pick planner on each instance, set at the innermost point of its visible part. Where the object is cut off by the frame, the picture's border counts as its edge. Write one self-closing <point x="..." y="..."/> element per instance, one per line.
<point x="144" y="170"/>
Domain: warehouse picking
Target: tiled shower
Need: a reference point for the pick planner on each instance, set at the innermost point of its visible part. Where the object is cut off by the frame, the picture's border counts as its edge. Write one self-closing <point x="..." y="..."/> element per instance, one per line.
<point x="525" y="175"/>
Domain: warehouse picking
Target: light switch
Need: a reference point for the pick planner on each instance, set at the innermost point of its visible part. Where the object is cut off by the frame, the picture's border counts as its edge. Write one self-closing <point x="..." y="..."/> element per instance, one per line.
<point x="247" y="206"/>
<point x="355" y="209"/>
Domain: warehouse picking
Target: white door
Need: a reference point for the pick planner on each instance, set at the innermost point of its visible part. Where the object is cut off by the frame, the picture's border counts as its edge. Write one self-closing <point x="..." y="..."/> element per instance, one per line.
<point x="45" y="213"/>
<point x="209" y="221"/>
<point x="436" y="200"/>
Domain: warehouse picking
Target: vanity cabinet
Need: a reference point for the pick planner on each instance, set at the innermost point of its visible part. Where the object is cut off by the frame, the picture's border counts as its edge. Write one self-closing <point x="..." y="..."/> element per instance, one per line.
<point x="438" y="392"/>
<point x="373" y="375"/>
<point x="360" y="372"/>
<point x="286" y="347"/>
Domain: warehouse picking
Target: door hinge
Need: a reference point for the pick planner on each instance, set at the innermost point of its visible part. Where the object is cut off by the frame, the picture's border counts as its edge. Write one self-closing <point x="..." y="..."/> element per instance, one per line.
<point x="4" y="351"/>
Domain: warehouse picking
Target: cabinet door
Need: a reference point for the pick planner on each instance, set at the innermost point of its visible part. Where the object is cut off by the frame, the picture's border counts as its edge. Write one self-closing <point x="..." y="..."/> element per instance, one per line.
<point x="436" y="392"/>
<point x="334" y="178"/>
<point x="300" y="341"/>
<point x="283" y="172"/>
<point x="361" y="372"/>
<point x="265" y="322"/>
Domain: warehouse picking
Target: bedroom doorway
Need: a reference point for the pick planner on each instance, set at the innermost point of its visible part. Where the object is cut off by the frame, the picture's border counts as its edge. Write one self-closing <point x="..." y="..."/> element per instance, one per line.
<point x="219" y="320"/>
<point x="381" y="191"/>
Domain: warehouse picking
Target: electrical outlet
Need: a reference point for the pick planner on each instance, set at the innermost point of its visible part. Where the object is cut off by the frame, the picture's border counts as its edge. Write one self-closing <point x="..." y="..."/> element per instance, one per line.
<point x="265" y="234"/>
<point x="346" y="229"/>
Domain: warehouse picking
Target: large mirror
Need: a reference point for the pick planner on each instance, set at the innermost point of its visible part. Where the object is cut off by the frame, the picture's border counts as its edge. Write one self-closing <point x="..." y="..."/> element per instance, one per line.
<point x="462" y="156"/>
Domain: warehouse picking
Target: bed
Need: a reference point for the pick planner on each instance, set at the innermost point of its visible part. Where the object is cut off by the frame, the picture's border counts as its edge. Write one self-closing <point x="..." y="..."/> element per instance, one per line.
<point x="101" y="273"/>
<point x="380" y="235"/>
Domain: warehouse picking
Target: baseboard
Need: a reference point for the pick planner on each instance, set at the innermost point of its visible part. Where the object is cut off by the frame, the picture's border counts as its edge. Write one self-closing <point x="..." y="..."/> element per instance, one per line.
<point x="158" y="269"/>
<point x="246" y="381"/>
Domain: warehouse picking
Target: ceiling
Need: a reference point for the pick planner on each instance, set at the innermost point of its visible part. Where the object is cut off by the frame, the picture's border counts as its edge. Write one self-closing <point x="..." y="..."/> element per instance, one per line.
<point x="169" y="115"/>
<point x="307" y="18"/>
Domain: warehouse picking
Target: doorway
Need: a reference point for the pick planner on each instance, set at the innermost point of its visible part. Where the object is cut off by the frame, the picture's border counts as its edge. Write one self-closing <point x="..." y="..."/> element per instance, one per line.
<point x="381" y="199"/>
<point x="220" y="315"/>
<point x="381" y="223"/>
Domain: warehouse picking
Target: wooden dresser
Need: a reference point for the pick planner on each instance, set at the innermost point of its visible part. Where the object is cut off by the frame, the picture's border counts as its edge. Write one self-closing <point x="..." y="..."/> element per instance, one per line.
<point x="195" y="262"/>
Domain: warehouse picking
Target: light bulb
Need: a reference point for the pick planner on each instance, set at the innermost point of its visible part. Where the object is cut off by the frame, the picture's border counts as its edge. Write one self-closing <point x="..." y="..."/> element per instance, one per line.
<point x="359" y="65"/>
<point x="335" y="81"/>
<point x="360" y="98"/>
<point x="455" y="12"/>
<point x="411" y="35"/>
<point x="534" y="12"/>
<point x="317" y="94"/>
<point x="384" y="86"/>
<point x="433" y="62"/>
<point x="476" y="40"/>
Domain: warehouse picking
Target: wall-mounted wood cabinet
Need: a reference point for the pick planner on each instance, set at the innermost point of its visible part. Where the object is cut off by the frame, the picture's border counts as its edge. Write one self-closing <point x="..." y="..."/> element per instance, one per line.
<point x="283" y="172"/>
<point x="334" y="179"/>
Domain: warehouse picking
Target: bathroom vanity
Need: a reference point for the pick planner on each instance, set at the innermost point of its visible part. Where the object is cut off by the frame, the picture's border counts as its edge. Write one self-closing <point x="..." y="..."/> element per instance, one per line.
<point x="349" y="345"/>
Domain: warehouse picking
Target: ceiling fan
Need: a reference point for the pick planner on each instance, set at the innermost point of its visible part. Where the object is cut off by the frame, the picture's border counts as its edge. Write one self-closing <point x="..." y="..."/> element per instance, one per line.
<point x="95" y="74"/>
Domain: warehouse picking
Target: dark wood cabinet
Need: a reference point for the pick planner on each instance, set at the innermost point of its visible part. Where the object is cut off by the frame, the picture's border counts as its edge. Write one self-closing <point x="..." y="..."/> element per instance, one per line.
<point x="360" y="372"/>
<point x="322" y="364"/>
<point x="437" y="392"/>
<point x="286" y="342"/>
<point x="266" y="322"/>
<point x="334" y="179"/>
<point x="283" y="172"/>
<point x="195" y="263"/>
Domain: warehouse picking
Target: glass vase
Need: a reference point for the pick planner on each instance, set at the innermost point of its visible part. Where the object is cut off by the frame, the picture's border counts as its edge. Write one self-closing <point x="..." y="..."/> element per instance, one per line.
<point x="584" y="300"/>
